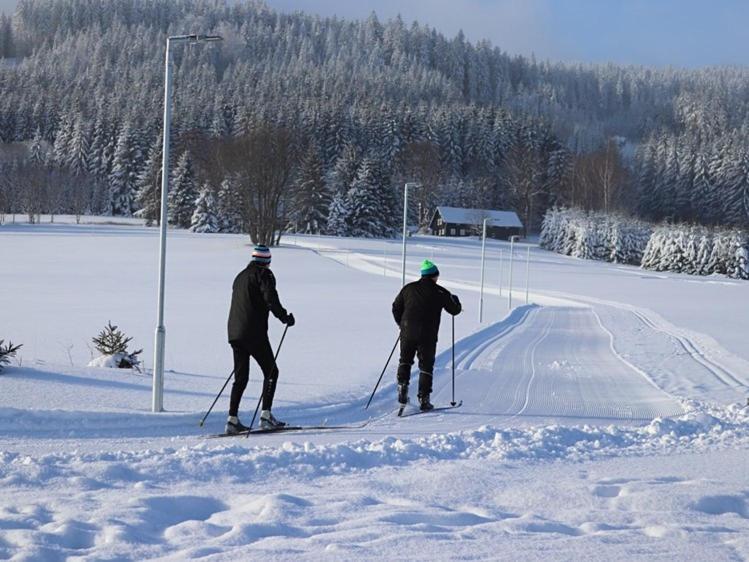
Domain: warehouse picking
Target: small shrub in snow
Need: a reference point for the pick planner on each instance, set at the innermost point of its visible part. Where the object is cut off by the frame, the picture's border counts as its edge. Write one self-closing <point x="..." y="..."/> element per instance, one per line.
<point x="7" y="352"/>
<point x="112" y="343"/>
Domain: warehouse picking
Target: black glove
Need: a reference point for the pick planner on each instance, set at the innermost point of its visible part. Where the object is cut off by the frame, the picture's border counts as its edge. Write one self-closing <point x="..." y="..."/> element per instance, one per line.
<point x="456" y="300"/>
<point x="289" y="320"/>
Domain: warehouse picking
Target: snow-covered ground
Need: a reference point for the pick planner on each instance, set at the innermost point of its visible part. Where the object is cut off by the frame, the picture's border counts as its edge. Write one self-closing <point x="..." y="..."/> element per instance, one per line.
<point x="601" y="420"/>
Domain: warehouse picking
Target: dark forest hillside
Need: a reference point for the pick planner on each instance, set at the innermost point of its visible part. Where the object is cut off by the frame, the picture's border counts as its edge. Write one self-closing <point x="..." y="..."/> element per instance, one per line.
<point x="356" y="109"/>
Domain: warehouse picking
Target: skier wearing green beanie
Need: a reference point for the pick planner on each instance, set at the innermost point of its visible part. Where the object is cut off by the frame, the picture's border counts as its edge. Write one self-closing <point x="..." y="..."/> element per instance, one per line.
<point x="417" y="310"/>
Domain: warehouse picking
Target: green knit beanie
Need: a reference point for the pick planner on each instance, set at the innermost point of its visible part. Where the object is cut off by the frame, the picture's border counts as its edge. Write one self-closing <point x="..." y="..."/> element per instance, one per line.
<point x="428" y="269"/>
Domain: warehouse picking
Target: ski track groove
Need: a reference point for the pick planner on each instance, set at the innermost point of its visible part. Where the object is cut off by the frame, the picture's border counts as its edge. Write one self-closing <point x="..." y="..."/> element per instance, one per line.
<point x="689" y="347"/>
<point x="544" y="335"/>
<point x="466" y="359"/>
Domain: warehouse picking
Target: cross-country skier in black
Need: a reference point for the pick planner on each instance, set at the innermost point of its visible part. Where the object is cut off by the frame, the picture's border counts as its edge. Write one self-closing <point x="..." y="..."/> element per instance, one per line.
<point x="417" y="310"/>
<point x="253" y="297"/>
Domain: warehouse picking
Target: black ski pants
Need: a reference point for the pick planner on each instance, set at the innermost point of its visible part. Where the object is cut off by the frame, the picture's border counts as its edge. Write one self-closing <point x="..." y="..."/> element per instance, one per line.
<point x="425" y="350"/>
<point x="263" y="354"/>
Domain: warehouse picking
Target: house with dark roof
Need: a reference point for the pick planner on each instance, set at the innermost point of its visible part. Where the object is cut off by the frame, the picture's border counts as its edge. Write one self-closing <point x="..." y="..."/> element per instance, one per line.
<point x="454" y="221"/>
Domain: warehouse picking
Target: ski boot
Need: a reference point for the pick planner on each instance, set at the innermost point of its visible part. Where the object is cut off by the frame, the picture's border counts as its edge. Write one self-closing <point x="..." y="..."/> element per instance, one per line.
<point x="268" y="421"/>
<point x="402" y="394"/>
<point x="424" y="404"/>
<point x="235" y="427"/>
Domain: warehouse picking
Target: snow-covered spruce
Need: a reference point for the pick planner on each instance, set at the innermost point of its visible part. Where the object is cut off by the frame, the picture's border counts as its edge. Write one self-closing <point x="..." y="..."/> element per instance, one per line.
<point x="205" y="219"/>
<point x="183" y="193"/>
<point x="697" y="250"/>
<point x="591" y="235"/>
<point x="668" y="247"/>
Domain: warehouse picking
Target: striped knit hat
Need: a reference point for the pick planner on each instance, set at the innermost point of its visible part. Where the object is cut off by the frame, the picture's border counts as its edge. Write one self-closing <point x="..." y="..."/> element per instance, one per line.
<point x="428" y="269"/>
<point x="261" y="254"/>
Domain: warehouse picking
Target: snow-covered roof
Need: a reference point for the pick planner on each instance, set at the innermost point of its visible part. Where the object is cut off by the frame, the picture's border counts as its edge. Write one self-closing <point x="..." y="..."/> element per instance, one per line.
<point x="456" y="215"/>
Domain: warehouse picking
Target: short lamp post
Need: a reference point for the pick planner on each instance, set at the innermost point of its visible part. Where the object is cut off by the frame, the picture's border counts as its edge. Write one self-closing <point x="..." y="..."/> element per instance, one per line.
<point x="483" y="261"/>
<point x="157" y="404"/>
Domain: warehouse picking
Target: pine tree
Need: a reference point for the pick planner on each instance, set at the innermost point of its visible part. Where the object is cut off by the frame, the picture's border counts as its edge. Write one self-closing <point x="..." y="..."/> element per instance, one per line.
<point x="339" y="216"/>
<point x="149" y="187"/>
<point x="311" y="197"/>
<point x="112" y="342"/>
<point x="229" y="208"/>
<point x="78" y="148"/>
<point x="704" y="251"/>
<point x="124" y="175"/>
<point x="344" y="171"/>
<point x="742" y="255"/>
<point x="646" y="180"/>
<point x="701" y="190"/>
<point x="37" y="152"/>
<point x="182" y="193"/>
<point x="61" y="147"/>
<point x="736" y="189"/>
<point x="7" y="352"/>
<point x="204" y="219"/>
<point x="372" y="202"/>
<point x="721" y="255"/>
<point x="7" y="45"/>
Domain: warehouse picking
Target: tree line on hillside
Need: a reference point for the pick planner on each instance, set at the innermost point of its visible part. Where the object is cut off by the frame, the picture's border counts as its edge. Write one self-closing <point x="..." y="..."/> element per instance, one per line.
<point x="363" y="106"/>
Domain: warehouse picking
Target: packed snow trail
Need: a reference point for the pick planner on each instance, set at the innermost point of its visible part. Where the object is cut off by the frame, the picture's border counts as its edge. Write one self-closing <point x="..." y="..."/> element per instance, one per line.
<point x="554" y="365"/>
<point x="558" y="364"/>
<point x="540" y="365"/>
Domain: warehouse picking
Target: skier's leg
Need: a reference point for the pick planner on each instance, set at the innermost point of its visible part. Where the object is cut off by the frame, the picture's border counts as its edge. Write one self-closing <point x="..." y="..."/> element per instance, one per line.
<point x="426" y="353"/>
<point x="408" y="350"/>
<point x="263" y="354"/>
<point x="241" y="374"/>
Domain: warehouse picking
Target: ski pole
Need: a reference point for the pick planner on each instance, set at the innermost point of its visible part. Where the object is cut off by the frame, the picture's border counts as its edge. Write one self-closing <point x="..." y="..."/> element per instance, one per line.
<point x="220" y="392"/>
<point x="453" y="402"/>
<point x="275" y="357"/>
<point x="383" y="371"/>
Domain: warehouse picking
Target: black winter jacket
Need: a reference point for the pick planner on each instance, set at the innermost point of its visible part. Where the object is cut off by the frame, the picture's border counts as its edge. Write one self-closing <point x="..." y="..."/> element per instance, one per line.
<point x="418" y="307"/>
<point x="253" y="297"/>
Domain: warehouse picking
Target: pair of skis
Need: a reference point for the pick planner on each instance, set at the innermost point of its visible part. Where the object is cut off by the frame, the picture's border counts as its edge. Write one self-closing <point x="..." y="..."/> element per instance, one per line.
<point x="402" y="414"/>
<point x="260" y="431"/>
<point x="290" y="428"/>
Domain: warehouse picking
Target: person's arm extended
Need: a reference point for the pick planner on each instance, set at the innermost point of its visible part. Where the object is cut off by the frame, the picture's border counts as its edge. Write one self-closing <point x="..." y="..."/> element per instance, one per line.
<point x="270" y="295"/>
<point x="451" y="303"/>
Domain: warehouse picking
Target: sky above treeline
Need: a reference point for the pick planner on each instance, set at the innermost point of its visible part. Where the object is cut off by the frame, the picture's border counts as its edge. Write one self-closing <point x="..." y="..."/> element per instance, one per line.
<point x="684" y="33"/>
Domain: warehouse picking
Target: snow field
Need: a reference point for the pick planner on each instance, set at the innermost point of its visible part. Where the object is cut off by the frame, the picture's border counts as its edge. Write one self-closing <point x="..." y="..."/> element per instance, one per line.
<point x="601" y="421"/>
<point x="483" y="494"/>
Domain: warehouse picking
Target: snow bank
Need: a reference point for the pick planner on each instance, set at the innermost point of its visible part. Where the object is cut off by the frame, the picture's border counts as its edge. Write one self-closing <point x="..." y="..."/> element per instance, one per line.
<point x="701" y="428"/>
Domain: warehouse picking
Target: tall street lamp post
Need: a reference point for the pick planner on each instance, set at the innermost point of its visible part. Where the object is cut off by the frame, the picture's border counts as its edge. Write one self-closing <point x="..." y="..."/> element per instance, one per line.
<point x="157" y="403"/>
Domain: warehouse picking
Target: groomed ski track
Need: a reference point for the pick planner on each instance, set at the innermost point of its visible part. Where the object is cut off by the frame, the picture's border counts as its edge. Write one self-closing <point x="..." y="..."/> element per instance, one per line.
<point x="569" y="360"/>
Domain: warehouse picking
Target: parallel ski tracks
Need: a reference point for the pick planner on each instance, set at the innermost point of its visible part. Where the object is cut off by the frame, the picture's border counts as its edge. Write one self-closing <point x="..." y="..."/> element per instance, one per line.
<point x="561" y="364"/>
<point x="689" y="347"/>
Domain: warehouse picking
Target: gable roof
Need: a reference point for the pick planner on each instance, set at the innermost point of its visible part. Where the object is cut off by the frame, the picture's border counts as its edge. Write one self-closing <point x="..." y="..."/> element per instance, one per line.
<point x="456" y="215"/>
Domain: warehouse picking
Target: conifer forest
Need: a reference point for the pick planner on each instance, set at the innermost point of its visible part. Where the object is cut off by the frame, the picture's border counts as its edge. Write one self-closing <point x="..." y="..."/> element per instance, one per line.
<point x="300" y="123"/>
